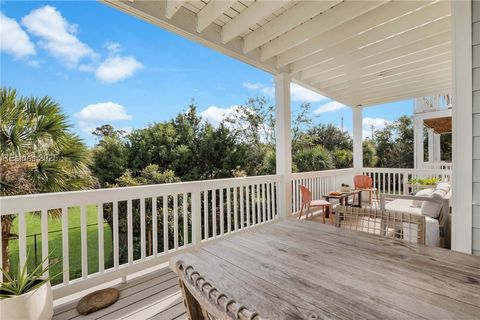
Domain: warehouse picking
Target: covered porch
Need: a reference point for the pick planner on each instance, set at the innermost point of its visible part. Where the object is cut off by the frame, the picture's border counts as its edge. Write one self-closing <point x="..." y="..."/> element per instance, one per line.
<point x="356" y="52"/>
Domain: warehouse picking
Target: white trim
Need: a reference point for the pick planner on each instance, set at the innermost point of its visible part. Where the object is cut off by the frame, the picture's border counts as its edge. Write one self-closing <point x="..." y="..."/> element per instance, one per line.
<point x="462" y="126"/>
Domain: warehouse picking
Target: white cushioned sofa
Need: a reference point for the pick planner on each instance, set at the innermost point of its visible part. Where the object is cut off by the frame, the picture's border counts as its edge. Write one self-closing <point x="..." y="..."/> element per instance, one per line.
<point x="433" y="204"/>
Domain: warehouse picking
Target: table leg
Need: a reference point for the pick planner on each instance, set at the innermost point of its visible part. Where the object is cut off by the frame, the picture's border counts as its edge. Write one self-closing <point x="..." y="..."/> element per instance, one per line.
<point x="360" y="199"/>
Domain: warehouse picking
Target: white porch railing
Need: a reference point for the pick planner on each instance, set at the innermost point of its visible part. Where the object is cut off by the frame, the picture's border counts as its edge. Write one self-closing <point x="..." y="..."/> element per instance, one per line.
<point x="440" y="165"/>
<point x="188" y="213"/>
<point x="320" y="183"/>
<point x="435" y="102"/>
<point x="386" y="180"/>
<point x="396" y="181"/>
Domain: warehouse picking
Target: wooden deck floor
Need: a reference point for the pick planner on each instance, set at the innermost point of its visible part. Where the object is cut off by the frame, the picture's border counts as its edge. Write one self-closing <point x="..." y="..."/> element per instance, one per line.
<point x="155" y="295"/>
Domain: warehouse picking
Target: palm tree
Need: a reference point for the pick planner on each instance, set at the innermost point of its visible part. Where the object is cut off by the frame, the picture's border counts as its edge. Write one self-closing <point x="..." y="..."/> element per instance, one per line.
<point x="38" y="152"/>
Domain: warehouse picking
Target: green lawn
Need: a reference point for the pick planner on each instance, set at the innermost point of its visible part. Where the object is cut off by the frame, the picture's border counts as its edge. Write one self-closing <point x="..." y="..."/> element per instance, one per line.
<point x="55" y="242"/>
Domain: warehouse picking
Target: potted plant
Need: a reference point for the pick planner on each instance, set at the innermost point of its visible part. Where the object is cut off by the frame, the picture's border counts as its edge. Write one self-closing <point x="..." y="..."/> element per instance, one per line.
<point x="27" y="295"/>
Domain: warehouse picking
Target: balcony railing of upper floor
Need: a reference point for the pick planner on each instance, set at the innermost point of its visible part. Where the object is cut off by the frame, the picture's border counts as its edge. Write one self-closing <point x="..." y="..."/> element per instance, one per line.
<point x="437" y="102"/>
<point x="186" y="215"/>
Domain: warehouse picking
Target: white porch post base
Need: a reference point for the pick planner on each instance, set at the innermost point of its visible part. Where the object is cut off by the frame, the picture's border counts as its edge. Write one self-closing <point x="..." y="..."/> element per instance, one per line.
<point x="283" y="145"/>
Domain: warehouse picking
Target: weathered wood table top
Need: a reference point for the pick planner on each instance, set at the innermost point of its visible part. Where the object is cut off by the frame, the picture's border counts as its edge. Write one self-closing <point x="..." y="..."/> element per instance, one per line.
<point x="306" y="270"/>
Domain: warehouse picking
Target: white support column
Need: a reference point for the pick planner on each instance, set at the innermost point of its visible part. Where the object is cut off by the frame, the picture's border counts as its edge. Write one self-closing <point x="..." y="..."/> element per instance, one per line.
<point x="357" y="138"/>
<point x="283" y="138"/>
<point x="431" y="145"/>
<point x="418" y="143"/>
<point x="437" y="156"/>
<point x="462" y="129"/>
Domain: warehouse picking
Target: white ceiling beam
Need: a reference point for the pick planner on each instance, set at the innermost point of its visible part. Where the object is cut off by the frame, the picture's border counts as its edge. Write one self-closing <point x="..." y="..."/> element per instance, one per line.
<point x="390" y="55"/>
<point x="403" y="86"/>
<point x="352" y="28"/>
<point x="328" y="20"/>
<point x="416" y="57"/>
<point x="211" y="12"/>
<point x="332" y="84"/>
<point x="427" y="70"/>
<point x="409" y="94"/>
<point x="172" y="6"/>
<point x="249" y="17"/>
<point x="371" y="42"/>
<point x="412" y="91"/>
<point x="405" y="89"/>
<point x="425" y="46"/>
<point x="435" y="60"/>
<point x="403" y="61"/>
<point x="424" y="76"/>
<point x="291" y="18"/>
<point x="400" y="87"/>
<point x="386" y="73"/>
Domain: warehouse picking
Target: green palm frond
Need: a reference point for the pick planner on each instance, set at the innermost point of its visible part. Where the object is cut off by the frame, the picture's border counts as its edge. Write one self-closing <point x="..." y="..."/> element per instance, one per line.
<point x="37" y="126"/>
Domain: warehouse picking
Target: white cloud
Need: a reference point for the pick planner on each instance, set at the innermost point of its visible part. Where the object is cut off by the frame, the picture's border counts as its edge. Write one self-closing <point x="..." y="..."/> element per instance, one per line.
<point x="331" y="106"/>
<point x="113" y="47"/>
<point x="98" y="113"/>
<point x="57" y="35"/>
<point x="301" y="94"/>
<point x="13" y="40"/>
<point x="378" y="124"/>
<point x="215" y="115"/>
<point x="298" y="93"/>
<point x="117" y="68"/>
<point x="253" y="86"/>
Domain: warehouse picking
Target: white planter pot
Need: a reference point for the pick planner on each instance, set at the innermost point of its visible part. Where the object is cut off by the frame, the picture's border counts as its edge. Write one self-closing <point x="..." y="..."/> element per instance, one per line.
<point x="37" y="304"/>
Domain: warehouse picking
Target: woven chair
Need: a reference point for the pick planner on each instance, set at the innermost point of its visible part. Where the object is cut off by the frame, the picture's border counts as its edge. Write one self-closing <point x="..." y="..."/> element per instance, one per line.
<point x="205" y="302"/>
<point x="391" y="224"/>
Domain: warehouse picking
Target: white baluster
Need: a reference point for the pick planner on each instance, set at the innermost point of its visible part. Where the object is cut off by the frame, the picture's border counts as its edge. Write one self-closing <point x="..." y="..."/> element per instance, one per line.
<point x="116" y="243"/>
<point x="154" y="226"/>
<point x="142" y="229"/>
<point x="101" y="256"/>
<point x="84" y="240"/>
<point x="46" y="262"/>
<point x="65" y="246"/>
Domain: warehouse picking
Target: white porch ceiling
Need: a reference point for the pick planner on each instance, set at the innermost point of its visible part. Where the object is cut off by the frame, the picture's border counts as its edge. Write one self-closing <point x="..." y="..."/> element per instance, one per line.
<point x="355" y="52"/>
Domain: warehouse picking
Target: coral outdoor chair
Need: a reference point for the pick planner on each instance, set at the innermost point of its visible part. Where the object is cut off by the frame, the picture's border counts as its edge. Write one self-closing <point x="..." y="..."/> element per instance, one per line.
<point x="309" y="203"/>
<point x="365" y="183"/>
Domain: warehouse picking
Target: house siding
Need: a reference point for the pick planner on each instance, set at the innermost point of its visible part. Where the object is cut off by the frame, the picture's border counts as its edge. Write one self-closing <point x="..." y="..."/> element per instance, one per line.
<point x="476" y="125"/>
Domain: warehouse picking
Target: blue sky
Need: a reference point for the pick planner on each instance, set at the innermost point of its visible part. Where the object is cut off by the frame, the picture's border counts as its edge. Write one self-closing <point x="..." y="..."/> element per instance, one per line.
<point x="104" y="66"/>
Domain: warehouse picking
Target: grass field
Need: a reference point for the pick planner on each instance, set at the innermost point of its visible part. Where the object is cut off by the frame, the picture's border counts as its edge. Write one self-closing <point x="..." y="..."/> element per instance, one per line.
<point x="55" y="242"/>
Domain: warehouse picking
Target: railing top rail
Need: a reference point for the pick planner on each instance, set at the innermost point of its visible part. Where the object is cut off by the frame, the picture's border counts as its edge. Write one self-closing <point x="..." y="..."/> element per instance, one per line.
<point x="34" y="202"/>
<point x="403" y="170"/>
<point x="323" y="173"/>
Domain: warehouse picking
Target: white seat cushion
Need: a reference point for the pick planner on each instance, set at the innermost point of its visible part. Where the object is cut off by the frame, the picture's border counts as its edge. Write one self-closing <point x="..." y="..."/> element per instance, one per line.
<point x="404" y="205"/>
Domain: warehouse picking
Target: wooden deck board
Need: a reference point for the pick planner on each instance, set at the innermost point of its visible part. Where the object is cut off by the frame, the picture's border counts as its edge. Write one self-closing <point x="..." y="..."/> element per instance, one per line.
<point x="155" y="295"/>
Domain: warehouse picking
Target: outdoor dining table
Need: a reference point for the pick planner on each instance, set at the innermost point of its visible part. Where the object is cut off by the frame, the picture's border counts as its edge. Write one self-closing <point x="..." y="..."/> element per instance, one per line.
<point x="305" y="270"/>
<point x="343" y="197"/>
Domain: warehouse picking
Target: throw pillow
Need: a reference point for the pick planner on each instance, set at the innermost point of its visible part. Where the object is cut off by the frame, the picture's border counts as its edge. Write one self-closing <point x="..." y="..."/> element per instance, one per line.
<point x="432" y="208"/>
<point x="422" y="193"/>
